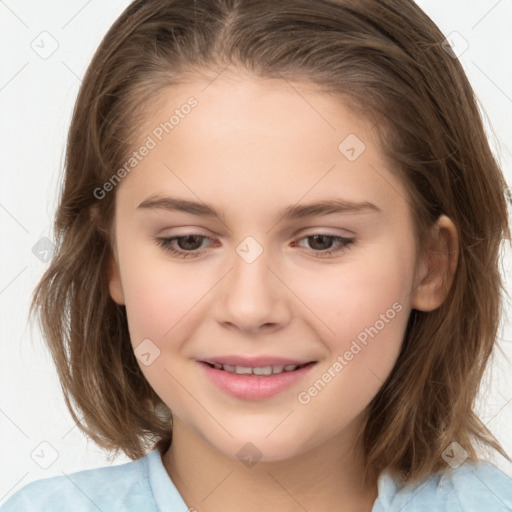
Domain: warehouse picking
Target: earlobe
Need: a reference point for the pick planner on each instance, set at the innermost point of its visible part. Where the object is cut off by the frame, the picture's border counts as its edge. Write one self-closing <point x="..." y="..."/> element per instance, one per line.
<point x="436" y="271"/>
<point x="114" y="282"/>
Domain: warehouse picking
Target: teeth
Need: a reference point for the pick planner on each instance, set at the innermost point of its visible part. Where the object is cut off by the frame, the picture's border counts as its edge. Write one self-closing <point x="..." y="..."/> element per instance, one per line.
<point x="261" y="370"/>
<point x="242" y="370"/>
<point x="265" y="370"/>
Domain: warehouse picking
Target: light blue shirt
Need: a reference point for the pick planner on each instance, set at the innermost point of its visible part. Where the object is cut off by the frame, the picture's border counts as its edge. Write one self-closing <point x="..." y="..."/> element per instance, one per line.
<point x="144" y="486"/>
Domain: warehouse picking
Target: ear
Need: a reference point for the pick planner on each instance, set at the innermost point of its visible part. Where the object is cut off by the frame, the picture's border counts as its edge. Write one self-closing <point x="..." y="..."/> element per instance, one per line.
<point x="114" y="281"/>
<point x="113" y="274"/>
<point x="436" y="270"/>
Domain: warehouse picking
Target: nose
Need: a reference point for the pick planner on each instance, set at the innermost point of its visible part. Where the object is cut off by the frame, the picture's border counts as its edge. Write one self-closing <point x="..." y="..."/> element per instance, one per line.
<point x="252" y="298"/>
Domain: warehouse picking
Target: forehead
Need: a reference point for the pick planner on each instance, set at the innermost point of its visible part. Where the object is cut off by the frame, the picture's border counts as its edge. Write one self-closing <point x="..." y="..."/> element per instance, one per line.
<point x="259" y="137"/>
<point x="278" y="112"/>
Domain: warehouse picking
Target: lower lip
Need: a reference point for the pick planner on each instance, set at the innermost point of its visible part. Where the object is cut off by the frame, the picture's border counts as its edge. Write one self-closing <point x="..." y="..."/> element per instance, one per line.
<point x="255" y="387"/>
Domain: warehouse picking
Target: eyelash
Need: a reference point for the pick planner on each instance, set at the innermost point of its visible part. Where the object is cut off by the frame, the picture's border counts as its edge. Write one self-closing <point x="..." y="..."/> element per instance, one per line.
<point x="167" y="244"/>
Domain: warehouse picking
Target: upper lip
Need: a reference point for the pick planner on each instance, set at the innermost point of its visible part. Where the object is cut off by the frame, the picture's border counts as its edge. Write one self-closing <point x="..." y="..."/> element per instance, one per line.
<point x="254" y="362"/>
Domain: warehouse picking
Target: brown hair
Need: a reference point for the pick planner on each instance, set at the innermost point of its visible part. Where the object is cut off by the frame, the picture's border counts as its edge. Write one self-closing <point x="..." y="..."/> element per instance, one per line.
<point x="385" y="57"/>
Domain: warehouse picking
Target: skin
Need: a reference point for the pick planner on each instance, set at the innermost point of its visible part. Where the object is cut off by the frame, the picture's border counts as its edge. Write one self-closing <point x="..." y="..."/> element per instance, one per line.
<point x="253" y="147"/>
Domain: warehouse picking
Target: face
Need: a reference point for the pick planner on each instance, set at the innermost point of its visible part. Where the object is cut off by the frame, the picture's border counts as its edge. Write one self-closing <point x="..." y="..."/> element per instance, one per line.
<point x="253" y="277"/>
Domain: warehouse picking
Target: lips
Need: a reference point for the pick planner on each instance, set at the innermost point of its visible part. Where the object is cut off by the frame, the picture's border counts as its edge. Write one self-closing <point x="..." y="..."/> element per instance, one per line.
<point x="255" y="362"/>
<point x="256" y="378"/>
<point x="256" y="370"/>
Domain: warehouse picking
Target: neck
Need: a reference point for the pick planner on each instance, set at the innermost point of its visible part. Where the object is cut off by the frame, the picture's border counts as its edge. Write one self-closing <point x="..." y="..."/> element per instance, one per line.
<point x="327" y="477"/>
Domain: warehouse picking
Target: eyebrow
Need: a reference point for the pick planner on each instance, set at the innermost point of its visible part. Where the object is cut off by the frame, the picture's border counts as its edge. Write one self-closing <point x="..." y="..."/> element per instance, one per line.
<point x="320" y="208"/>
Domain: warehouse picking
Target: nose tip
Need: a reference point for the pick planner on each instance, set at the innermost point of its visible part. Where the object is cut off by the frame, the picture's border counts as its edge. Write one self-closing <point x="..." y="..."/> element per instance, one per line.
<point x="252" y="298"/>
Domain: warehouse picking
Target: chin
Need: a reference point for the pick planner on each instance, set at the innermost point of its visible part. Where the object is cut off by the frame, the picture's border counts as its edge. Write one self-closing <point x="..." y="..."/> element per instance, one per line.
<point x="251" y="449"/>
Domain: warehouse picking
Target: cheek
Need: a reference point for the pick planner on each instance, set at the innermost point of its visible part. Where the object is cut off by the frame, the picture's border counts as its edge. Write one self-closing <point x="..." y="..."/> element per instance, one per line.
<point x="359" y="293"/>
<point x="158" y="295"/>
<point x="365" y="305"/>
<point x="160" y="299"/>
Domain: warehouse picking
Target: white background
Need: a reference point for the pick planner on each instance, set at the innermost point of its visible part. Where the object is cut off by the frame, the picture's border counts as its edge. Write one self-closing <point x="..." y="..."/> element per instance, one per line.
<point x="36" y="100"/>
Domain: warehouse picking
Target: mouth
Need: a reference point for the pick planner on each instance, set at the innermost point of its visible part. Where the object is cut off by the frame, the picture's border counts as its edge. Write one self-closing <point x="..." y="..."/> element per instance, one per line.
<point x="255" y="383"/>
<point x="257" y="370"/>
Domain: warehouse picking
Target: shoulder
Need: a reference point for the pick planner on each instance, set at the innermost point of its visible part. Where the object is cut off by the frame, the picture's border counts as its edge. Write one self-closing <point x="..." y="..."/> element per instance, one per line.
<point x="123" y="487"/>
<point x="473" y="486"/>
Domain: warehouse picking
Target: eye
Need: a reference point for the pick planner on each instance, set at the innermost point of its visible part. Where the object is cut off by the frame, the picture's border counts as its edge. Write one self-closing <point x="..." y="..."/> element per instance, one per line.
<point x="191" y="245"/>
<point x="324" y="242"/>
<point x="188" y="245"/>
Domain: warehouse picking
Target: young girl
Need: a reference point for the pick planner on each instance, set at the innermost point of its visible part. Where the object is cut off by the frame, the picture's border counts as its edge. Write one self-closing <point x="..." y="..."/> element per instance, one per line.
<point x="276" y="284"/>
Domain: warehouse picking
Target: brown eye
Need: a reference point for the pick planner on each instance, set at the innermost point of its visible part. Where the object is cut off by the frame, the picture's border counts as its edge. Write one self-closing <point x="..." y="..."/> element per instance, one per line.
<point x="186" y="246"/>
<point x="189" y="242"/>
<point x="321" y="244"/>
